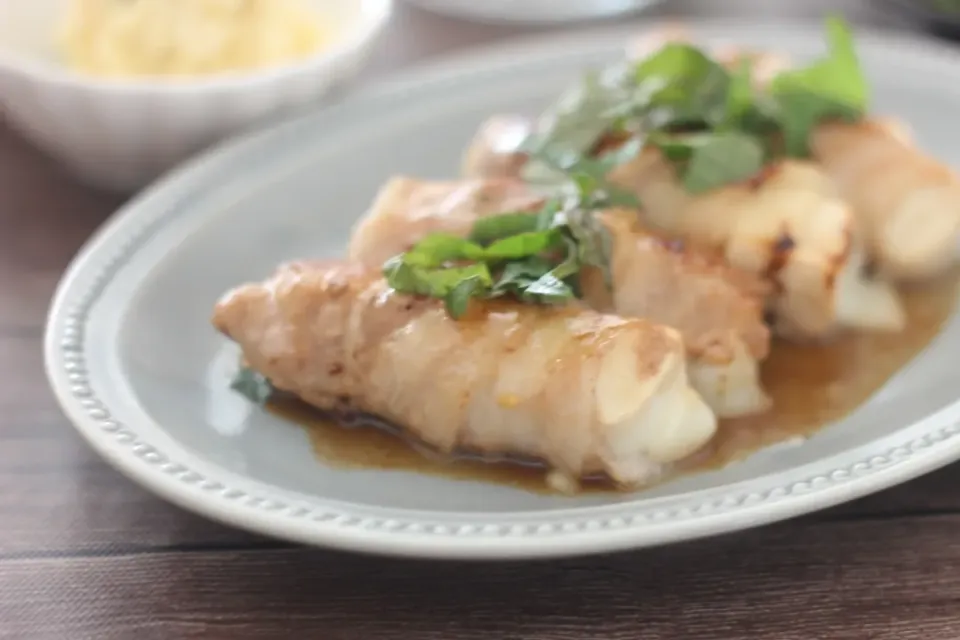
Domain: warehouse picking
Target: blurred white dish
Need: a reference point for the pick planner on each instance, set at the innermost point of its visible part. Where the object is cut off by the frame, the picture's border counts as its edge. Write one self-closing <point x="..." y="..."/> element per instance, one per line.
<point x="136" y="365"/>
<point x="121" y="134"/>
<point x="533" y="11"/>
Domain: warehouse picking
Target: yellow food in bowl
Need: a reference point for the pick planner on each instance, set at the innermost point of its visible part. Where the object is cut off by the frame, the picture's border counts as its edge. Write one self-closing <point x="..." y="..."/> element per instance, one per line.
<point x="129" y="38"/>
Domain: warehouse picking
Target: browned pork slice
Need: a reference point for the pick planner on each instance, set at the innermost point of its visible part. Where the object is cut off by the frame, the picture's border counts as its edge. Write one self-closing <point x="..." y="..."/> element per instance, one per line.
<point x="906" y="202"/>
<point x="588" y="393"/>
<point x="406" y="209"/>
<point x="789" y="226"/>
<point x="718" y="310"/>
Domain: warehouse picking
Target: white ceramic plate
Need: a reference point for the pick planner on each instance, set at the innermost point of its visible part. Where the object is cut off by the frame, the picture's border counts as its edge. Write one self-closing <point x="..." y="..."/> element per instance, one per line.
<point x="136" y="366"/>
<point x="533" y="11"/>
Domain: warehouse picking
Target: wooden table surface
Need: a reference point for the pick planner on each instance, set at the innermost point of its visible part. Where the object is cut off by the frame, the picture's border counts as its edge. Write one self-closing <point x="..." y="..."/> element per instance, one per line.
<point x="85" y="553"/>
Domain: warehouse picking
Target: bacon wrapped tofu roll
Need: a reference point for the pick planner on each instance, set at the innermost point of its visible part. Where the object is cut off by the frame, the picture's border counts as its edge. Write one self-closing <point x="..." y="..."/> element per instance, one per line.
<point x="718" y="310"/>
<point x="585" y="392"/>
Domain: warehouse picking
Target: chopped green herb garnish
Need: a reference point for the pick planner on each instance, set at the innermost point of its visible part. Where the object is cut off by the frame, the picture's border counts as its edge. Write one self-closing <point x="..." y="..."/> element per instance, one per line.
<point x="538" y="280"/>
<point x="458" y="298"/>
<point x="535" y="257"/>
<point x="252" y="385"/>
<point x="490" y="229"/>
<point x="522" y="245"/>
<point x="680" y="87"/>
<point x="438" y="281"/>
<point x="740" y="98"/>
<point x="592" y="242"/>
<point x="711" y="122"/>
<point x="568" y="130"/>
<point x="710" y="160"/>
<point x="439" y="248"/>
<point x="833" y="87"/>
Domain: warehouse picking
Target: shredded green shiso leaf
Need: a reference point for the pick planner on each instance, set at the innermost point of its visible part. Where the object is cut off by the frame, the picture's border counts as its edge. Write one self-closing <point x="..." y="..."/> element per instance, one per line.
<point x="533" y="256"/>
<point x="711" y="122"/>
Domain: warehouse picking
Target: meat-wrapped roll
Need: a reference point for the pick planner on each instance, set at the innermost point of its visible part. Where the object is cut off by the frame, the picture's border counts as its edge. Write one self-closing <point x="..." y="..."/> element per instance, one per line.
<point x="718" y="310"/>
<point x="587" y="393"/>
<point x="406" y="209"/>
<point x="789" y="226"/>
<point x="907" y="203"/>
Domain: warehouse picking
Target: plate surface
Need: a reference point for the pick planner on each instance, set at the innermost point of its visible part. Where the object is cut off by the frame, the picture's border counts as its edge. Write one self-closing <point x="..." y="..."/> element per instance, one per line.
<point x="136" y="366"/>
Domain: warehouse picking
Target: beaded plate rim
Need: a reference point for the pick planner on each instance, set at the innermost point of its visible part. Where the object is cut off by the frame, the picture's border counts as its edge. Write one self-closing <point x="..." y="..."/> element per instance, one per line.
<point x="209" y="490"/>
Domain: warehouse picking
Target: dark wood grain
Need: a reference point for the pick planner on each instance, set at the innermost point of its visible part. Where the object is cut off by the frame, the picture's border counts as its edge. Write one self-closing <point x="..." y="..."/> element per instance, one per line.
<point x="84" y="553"/>
<point x="853" y="580"/>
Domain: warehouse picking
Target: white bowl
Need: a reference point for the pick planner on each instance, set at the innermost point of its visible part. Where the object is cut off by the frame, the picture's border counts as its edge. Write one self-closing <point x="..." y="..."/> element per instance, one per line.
<point x="121" y="134"/>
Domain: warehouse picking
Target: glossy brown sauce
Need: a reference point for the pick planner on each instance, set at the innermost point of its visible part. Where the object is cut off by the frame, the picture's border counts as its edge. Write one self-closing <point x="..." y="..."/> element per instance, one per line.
<point x="811" y="386"/>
